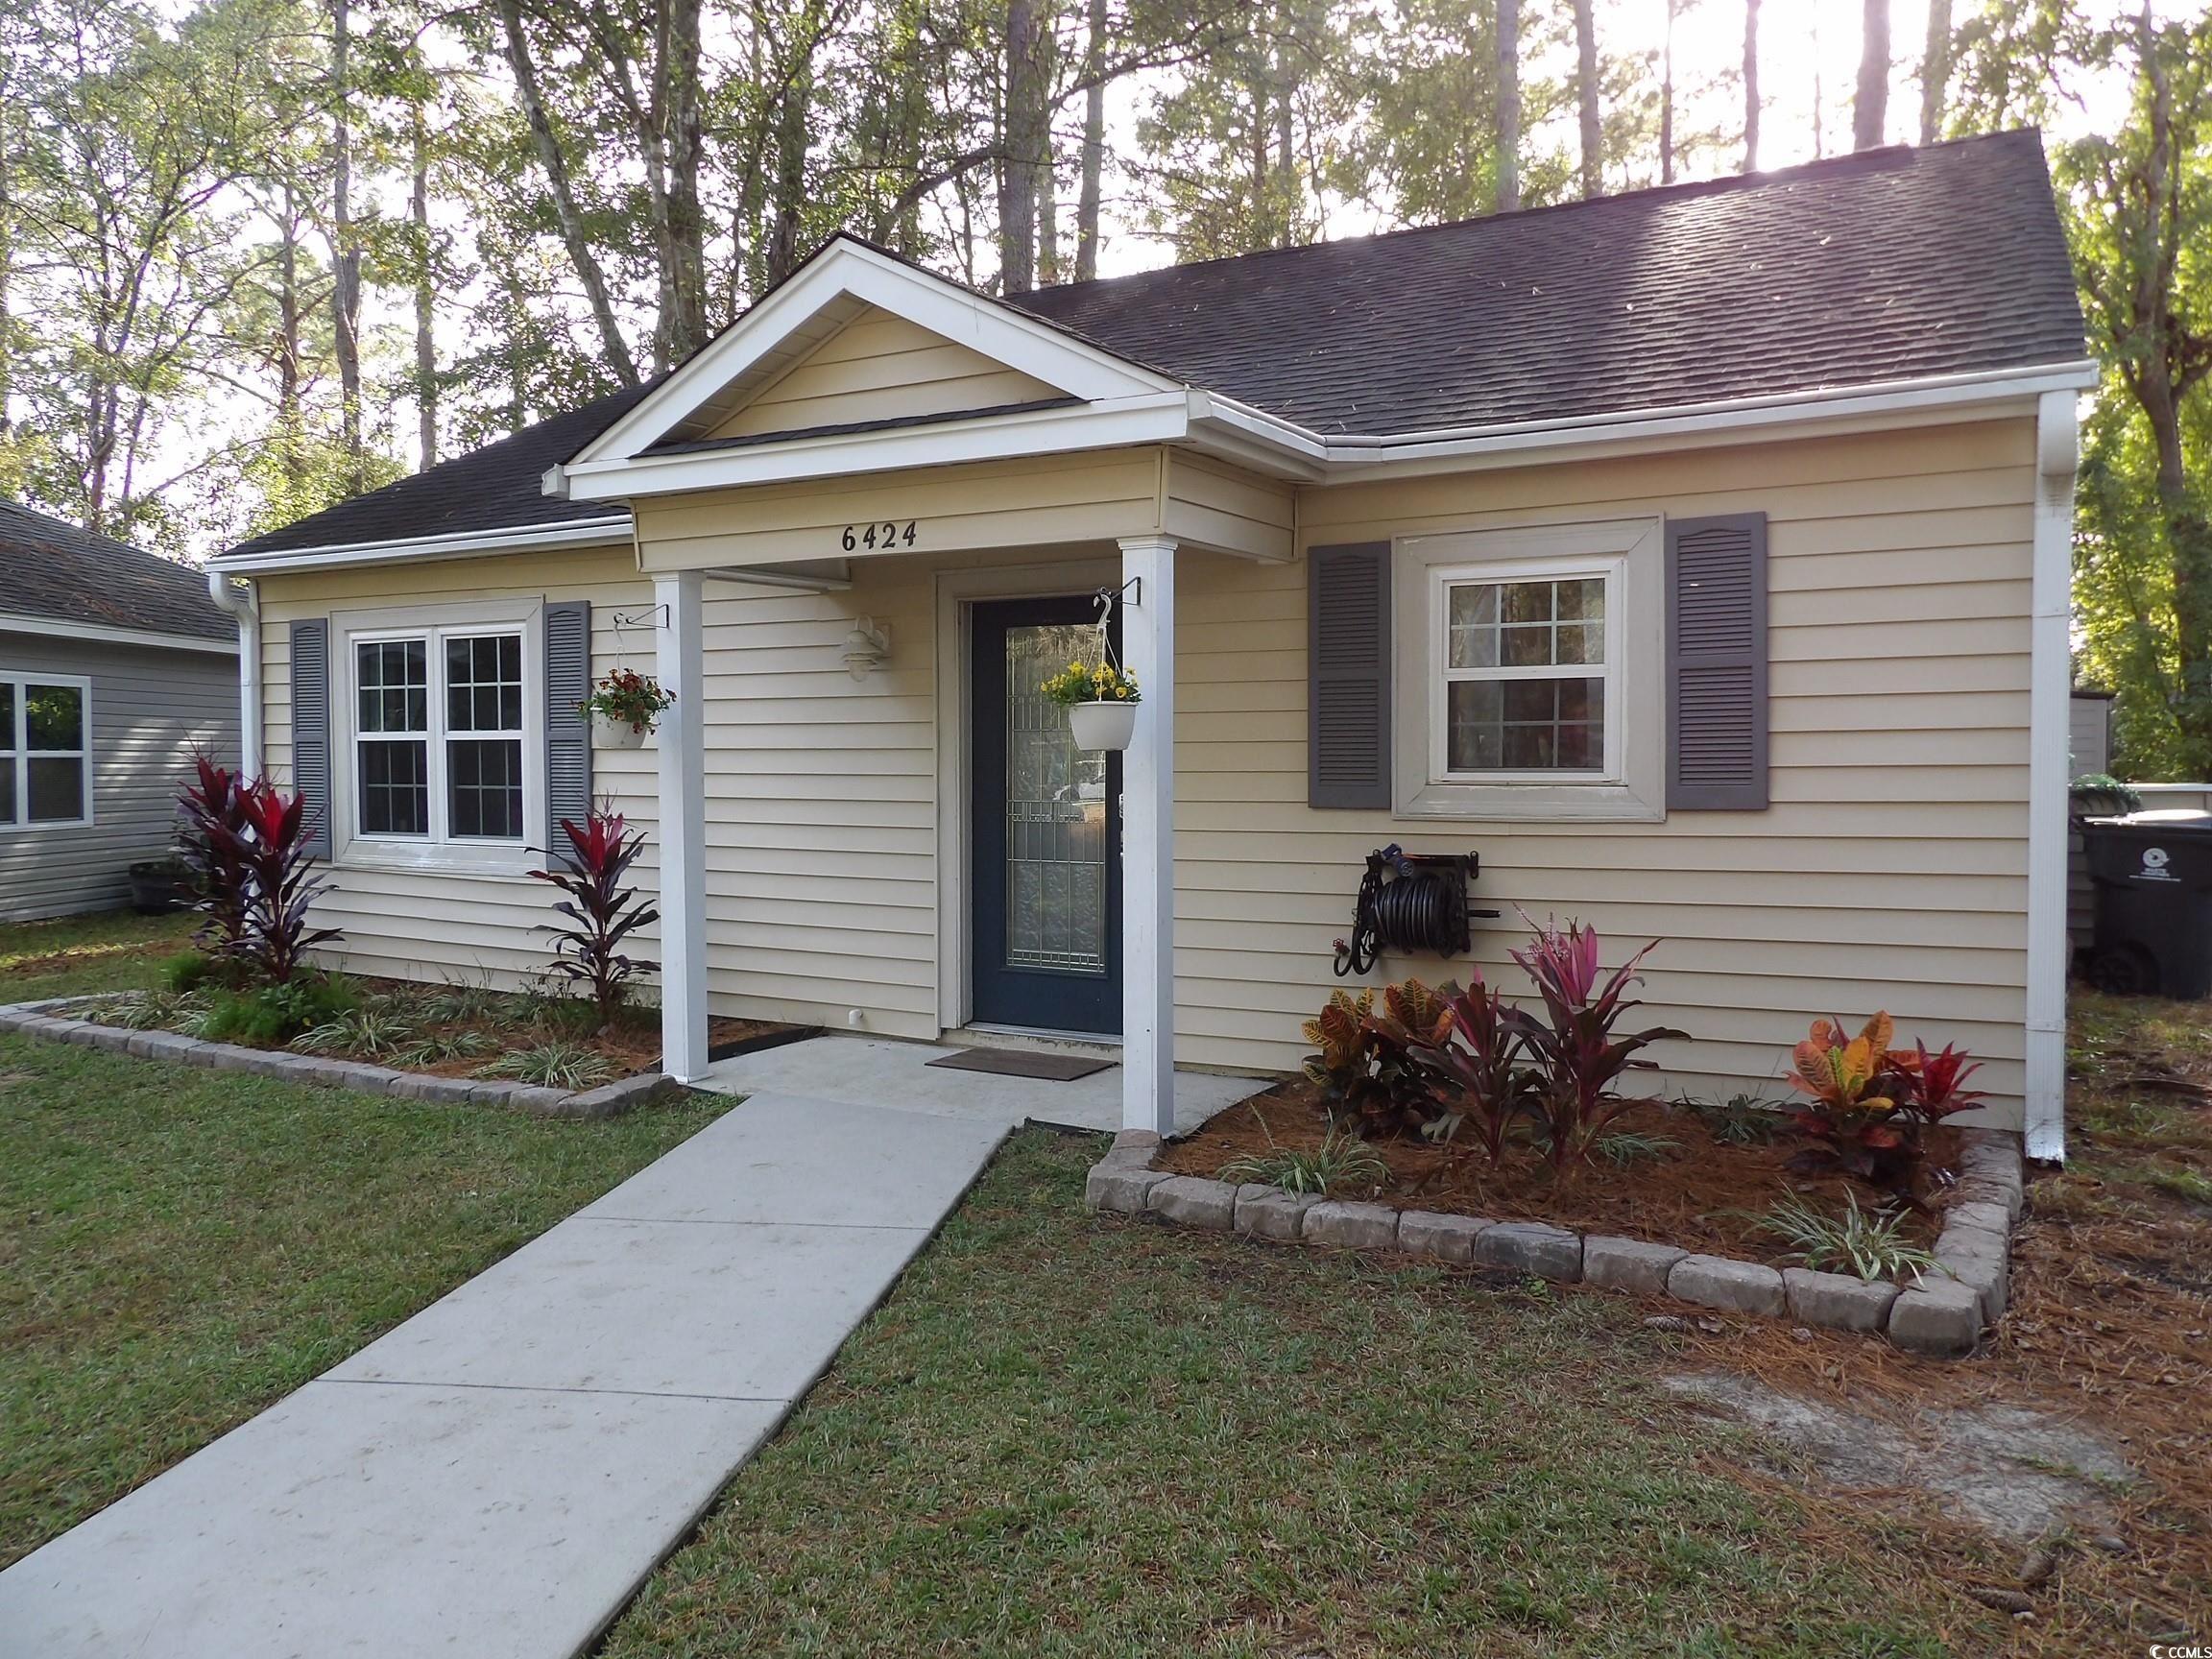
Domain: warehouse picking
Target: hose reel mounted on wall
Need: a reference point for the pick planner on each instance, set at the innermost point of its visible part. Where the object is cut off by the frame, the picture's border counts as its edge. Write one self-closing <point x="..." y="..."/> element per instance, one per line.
<point x="1410" y="902"/>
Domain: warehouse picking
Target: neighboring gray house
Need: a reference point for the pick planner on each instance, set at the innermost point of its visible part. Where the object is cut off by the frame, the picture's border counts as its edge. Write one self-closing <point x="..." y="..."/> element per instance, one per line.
<point x="114" y="666"/>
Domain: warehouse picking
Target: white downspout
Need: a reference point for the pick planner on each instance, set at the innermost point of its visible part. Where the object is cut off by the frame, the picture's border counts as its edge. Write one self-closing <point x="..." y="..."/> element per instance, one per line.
<point x="241" y="601"/>
<point x="2058" y="454"/>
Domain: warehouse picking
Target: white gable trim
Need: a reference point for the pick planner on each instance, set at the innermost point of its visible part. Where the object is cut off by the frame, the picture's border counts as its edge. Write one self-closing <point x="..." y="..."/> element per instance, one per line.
<point x="846" y="269"/>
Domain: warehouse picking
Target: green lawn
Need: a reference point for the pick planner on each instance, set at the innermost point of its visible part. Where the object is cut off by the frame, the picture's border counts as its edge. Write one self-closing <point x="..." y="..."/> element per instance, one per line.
<point x="1067" y="1435"/>
<point x="179" y="1248"/>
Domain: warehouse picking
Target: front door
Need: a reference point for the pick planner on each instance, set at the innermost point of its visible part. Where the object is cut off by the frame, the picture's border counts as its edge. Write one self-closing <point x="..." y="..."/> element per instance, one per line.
<point x="1046" y="932"/>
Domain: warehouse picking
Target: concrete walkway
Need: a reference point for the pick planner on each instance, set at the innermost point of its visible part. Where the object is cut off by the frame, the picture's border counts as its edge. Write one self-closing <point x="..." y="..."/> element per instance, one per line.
<point x="496" y="1477"/>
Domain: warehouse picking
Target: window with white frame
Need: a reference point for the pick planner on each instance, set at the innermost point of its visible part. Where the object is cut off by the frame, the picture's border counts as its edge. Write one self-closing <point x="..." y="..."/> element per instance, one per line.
<point x="1527" y="673"/>
<point x="439" y="732"/>
<point x="1530" y="684"/>
<point x="45" y="750"/>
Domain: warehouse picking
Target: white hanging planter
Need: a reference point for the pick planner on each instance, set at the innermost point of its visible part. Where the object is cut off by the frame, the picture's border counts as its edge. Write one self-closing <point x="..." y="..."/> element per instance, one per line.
<point x="610" y="734"/>
<point x="1102" y="725"/>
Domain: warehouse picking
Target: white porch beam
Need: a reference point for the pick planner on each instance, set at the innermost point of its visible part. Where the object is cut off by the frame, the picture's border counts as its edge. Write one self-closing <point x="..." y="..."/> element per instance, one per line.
<point x="682" y="734"/>
<point x="1148" y="839"/>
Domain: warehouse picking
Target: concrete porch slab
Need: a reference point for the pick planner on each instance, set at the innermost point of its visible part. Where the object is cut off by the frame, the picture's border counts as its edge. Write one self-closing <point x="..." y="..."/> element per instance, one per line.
<point x="873" y="1072"/>
<point x="382" y="1519"/>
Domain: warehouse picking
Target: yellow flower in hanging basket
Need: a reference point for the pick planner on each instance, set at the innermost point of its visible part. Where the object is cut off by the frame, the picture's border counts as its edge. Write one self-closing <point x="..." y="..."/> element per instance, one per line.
<point x="1102" y="684"/>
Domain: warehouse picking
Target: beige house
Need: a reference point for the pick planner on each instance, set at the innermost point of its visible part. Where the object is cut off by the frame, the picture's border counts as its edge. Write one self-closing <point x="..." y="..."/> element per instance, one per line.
<point x="1697" y="558"/>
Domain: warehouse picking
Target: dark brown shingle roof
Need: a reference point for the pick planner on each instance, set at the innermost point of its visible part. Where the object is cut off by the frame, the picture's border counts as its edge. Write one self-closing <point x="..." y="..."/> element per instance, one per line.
<point x="49" y="568"/>
<point x="1888" y="265"/>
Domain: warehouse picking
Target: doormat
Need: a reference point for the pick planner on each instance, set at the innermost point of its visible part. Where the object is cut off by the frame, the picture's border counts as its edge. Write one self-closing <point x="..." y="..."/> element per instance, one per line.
<point x="1021" y="1063"/>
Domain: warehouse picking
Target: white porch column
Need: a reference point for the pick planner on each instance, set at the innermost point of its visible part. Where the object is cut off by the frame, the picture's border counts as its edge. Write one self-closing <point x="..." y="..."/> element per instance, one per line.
<point x="1148" y="839"/>
<point x="682" y="739"/>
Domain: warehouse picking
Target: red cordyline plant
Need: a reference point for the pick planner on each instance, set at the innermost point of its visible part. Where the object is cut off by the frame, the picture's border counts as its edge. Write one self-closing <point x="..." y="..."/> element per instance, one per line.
<point x="602" y="911"/>
<point x="1870" y="1103"/>
<point x="1475" y="1053"/>
<point x="246" y="841"/>
<point x="1578" y="1056"/>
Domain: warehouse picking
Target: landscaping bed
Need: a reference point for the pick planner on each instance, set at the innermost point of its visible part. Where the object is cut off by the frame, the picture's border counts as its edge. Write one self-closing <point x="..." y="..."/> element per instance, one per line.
<point x="1700" y="1179"/>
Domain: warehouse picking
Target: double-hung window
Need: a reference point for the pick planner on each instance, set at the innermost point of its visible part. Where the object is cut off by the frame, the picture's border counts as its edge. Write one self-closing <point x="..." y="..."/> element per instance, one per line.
<point x="1528" y="676"/>
<point x="439" y="732"/>
<point x="1529" y="681"/>
<point x="45" y="750"/>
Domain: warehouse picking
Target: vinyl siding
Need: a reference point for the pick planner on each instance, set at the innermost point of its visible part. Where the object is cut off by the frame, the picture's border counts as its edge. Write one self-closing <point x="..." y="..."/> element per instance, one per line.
<point x="418" y="923"/>
<point x="150" y="709"/>
<point x="879" y="366"/>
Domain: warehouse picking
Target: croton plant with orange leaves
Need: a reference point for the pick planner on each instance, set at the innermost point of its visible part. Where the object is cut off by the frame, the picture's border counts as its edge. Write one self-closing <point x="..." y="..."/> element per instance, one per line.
<point x="1869" y="1102"/>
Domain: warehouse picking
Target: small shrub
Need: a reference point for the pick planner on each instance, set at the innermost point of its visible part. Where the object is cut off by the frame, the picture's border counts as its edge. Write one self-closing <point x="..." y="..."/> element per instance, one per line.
<point x="1869" y="1103"/>
<point x="1579" y="1055"/>
<point x="1870" y="1244"/>
<point x="269" y="1016"/>
<point x="467" y="1005"/>
<point x="437" y="1048"/>
<point x="136" y="1010"/>
<point x="555" y="1064"/>
<point x="1342" y="1162"/>
<point x="1366" y="1070"/>
<point x="186" y="970"/>
<point x="1626" y="1148"/>
<point x="604" y="912"/>
<point x="1739" y="1121"/>
<point x="365" y="1033"/>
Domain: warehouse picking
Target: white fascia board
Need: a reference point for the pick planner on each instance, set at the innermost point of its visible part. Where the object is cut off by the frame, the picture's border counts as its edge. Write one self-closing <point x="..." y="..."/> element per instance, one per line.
<point x="1155" y="417"/>
<point x="95" y="633"/>
<point x="847" y="268"/>
<point x="1773" y="417"/>
<point x="609" y="532"/>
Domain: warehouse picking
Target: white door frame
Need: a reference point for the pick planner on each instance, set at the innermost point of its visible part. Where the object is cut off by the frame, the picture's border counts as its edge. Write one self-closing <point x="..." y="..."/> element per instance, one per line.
<point x="957" y="592"/>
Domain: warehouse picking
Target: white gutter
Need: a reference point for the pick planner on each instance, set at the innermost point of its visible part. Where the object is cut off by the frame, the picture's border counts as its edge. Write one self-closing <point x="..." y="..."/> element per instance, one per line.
<point x="240" y="600"/>
<point x="2058" y="454"/>
<point x="15" y="622"/>
<point x="606" y="532"/>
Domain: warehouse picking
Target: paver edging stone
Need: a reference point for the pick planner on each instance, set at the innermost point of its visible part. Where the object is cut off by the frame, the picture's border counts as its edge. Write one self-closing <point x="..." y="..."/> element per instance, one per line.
<point x="1942" y="1315"/>
<point x="46" y="1018"/>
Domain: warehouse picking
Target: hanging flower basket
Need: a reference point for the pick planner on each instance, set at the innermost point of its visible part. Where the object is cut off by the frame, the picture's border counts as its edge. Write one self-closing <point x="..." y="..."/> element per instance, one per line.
<point x="608" y="732"/>
<point x="1102" y="725"/>
<point x="1101" y="704"/>
<point x="623" y="707"/>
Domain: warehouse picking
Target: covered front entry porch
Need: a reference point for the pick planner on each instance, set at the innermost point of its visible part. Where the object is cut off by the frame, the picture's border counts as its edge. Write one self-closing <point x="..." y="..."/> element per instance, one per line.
<point x="969" y="595"/>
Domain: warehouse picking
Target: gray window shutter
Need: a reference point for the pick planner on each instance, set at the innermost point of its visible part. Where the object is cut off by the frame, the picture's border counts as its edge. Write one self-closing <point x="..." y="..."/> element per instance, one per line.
<point x="1348" y="677"/>
<point x="311" y="729"/>
<point x="1716" y="663"/>
<point x="567" y="733"/>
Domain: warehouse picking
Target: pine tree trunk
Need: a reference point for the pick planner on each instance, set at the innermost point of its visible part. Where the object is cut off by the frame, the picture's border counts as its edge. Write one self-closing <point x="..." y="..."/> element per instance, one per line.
<point x="1751" y="86"/>
<point x="580" y="258"/>
<point x="1087" y="203"/>
<point x="290" y="426"/>
<point x="1508" y="32"/>
<point x="678" y="106"/>
<point x="1935" y="71"/>
<point x="1667" y="101"/>
<point x="1018" y="191"/>
<point x="1586" y="98"/>
<point x="1870" y="107"/>
<point x="344" y="256"/>
<point x="425" y="300"/>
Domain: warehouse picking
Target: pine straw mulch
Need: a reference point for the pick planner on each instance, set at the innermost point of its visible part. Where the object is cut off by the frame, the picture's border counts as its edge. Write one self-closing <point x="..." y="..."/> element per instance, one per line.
<point x="1702" y="1194"/>
<point x="2110" y="1324"/>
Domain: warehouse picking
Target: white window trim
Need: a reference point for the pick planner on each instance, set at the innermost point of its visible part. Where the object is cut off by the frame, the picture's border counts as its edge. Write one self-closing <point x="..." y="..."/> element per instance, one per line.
<point x="1632" y="555"/>
<point x="351" y="849"/>
<point x="16" y="754"/>
<point x="1612" y="572"/>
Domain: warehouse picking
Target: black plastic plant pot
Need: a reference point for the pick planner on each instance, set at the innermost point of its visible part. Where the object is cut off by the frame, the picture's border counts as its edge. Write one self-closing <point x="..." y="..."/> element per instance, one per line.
<point x="159" y="885"/>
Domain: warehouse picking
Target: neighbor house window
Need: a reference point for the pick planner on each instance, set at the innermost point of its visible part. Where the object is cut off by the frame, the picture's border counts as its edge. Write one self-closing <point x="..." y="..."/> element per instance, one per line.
<point x="45" y="750"/>
<point x="438" y="735"/>
<point x="1527" y="676"/>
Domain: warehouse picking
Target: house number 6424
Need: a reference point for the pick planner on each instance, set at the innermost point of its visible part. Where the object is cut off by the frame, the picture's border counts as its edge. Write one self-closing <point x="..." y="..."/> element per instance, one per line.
<point x="884" y="535"/>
